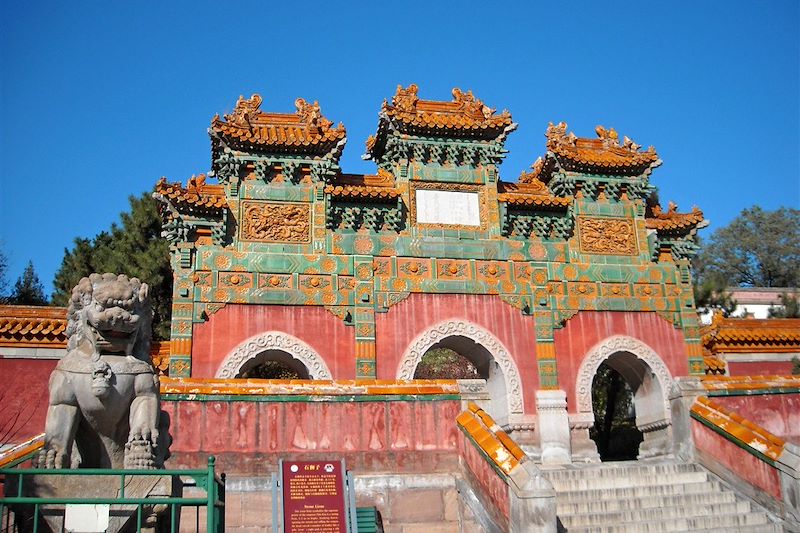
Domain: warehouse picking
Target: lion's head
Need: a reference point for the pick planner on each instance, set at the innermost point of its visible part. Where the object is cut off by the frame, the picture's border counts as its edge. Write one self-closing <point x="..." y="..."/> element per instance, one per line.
<point x="112" y="313"/>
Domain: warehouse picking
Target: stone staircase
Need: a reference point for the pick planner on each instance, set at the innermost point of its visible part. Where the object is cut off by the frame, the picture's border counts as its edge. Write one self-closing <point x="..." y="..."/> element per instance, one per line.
<point x="651" y="496"/>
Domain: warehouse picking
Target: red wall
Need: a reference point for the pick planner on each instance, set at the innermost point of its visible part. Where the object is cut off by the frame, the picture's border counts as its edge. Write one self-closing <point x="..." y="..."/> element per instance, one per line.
<point x="747" y="466"/>
<point x="486" y="480"/>
<point x="398" y="328"/>
<point x="227" y="328"/>
<point x="770" y="368"/>
<point x="777" y="413"/>
<point x="586" y="329"/>
<point x="248" y="438"/>
<point x="23" y="398"/>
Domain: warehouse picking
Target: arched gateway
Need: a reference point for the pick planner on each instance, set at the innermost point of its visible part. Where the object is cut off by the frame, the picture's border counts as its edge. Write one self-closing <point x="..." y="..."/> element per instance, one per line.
<point x="282" y="346"/>
<point x="485" y="351"/>
<point x="649" y="379"/>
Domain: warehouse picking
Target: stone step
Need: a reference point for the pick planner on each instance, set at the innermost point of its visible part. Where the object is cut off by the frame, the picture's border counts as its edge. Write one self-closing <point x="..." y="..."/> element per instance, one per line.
<point x="758" y="528"/>
<point x="600" y="470"/>
<point x="753" y="521"/>
<point x="641" y="480"/>
<point x="656" y="514"/>
<point x="633" y="493"/>
<point x="607" y="505"/>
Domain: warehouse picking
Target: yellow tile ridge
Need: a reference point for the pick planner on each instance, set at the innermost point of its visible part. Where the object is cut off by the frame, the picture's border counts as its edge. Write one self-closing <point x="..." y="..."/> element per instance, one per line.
<point x="487" y="435"/>
<point x="742" y="429"/>
<point x="214" y="386"/>
<point x="712" y="382"/>
<point x="21" y="450"/>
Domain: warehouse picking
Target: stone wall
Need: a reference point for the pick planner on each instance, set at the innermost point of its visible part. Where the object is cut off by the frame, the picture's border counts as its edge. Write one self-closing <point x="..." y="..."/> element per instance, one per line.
<point x="402" y="428"/>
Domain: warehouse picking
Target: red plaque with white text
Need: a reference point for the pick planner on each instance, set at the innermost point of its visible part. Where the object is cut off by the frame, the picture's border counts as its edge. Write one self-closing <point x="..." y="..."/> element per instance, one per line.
<point x="314" y="497"/>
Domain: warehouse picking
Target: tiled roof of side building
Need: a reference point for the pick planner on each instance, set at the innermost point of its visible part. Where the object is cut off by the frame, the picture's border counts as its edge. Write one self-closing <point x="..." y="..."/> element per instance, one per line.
<point x="714" y="365"/>
<point x="27" y="326"/>
<point x="604" y="155"/>
<point x="747" y="335"/>
<point x="306" y="130"/>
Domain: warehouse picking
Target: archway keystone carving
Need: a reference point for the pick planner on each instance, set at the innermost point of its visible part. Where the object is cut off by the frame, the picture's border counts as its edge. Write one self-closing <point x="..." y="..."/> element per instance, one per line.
<point x="273" y="340"/>
<point x="449" y="328"/>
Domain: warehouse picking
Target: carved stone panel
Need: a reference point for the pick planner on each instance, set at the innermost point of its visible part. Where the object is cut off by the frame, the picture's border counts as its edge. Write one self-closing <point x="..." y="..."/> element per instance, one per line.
<point x="608" y="236"/>
<point x="275" y="222"/>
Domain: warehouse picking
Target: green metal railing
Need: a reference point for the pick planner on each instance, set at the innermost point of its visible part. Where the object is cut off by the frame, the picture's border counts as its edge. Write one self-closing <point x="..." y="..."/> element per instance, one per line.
<point x="205" y="479"/>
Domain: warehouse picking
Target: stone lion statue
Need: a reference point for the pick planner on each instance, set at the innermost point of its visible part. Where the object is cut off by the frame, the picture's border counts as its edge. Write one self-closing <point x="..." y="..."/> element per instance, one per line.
<point x="104" y="393"/>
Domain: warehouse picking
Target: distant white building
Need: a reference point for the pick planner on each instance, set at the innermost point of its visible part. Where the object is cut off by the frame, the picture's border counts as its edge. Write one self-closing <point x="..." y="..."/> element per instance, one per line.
<point x="753" y="302"/>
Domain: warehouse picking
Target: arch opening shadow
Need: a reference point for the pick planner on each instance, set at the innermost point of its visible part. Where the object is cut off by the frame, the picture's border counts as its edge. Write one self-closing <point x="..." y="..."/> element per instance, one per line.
<point x="274" y="364"/>
<point x="615" y="433"/>
<point x="646" y="379"/>
<point x="489" y="356"/>
<point x="485" y="366"/>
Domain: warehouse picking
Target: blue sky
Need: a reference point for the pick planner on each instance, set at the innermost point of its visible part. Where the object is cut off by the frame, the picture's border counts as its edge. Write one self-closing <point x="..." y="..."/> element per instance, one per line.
<point x="99" y="100"/>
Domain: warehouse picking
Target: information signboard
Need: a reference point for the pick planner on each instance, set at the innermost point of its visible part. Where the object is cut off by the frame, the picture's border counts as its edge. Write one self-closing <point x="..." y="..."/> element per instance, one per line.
<point x="314" y="497"/>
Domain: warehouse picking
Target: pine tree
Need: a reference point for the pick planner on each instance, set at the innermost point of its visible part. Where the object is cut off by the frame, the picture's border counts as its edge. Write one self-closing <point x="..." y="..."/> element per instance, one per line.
<point x="3" y="271"/>
<point x="133" y="247"/>
<point x="28" y="290"/>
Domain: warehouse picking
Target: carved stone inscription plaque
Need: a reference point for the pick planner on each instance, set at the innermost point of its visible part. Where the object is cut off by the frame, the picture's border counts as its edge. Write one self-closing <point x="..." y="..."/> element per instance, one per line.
<point x="609" y="236"/>
<point x="275" y="222"/>
<point x="448" y="207"/>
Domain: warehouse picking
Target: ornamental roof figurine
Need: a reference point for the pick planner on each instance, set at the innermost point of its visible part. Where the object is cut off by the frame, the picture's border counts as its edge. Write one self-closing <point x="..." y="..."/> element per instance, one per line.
<point x="305" y="131"/>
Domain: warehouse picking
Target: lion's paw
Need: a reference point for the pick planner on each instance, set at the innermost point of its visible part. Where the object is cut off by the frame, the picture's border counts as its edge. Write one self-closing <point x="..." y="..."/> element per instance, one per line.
<point x="139" y="454"/>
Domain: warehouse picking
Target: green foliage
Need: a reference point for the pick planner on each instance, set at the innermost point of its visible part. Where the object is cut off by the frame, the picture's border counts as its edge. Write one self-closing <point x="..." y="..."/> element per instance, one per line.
<point x="795" y="366"/>
<point x="757" y="249"/>
<point x="712" y="293"/>
<point x="271" y="370"/>
<point x="444" y="363"/>
<point x="134" y="247"/>
<point x="790" y="307"/>
<point x="28" y="290"/>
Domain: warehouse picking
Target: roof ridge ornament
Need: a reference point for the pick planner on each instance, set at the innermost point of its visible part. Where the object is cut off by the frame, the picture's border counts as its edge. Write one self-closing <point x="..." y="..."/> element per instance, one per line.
<point x="610" y="137"/>
<point x="405" y="100"/>
<point x="470" y="105"/>
<point x="245" y="111"/>
<point x="312" y="115"/>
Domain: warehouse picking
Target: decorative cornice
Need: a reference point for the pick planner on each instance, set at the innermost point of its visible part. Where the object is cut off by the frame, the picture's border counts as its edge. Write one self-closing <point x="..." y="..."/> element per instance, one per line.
<point x="604" y="155"/>
<point x="304" y="131"/>
<point x="465" y="117"/>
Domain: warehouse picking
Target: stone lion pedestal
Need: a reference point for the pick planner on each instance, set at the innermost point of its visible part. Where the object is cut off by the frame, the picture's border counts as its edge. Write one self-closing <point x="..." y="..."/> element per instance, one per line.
<point x="83" y="517"/>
